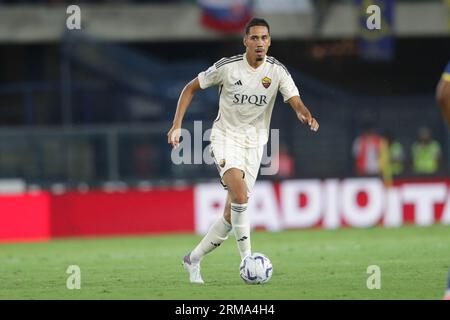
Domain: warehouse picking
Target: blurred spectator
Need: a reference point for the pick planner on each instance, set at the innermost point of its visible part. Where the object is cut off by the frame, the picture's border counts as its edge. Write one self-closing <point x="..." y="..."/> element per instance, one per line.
<point x="426" y="153"/>
<point x="285" y="161"/>
<point x="366" y="150"/>
<point x="391" y="158"/>
<point x="396" y="154"/>
<point x="146" y="161"/>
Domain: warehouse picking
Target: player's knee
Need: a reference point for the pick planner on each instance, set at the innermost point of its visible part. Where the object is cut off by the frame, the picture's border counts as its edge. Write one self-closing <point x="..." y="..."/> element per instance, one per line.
<point x="240" y="198"/>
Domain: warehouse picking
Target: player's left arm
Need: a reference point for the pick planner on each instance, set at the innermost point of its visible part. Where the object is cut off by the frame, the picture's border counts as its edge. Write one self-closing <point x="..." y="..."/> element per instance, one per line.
<point x="303" y="113"/>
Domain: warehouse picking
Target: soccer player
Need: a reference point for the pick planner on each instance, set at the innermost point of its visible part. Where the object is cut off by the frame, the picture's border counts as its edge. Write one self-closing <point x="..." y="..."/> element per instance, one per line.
<point x="248" y="84"/>
<point x="443" y="94"/>
<point x="443" y="100"/>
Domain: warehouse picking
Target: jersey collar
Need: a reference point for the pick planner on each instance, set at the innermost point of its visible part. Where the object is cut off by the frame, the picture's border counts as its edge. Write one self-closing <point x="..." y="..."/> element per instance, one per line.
<point x="249" y="67"/>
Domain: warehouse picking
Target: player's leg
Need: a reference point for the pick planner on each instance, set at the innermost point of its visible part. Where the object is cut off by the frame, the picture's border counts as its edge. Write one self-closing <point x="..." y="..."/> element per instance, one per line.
<point x="219" y="231"/>
<point x="216" y="234"/>
<point x="227" y="210"/>
<point x="237" y="192"/>
<point x="447" y="292"/>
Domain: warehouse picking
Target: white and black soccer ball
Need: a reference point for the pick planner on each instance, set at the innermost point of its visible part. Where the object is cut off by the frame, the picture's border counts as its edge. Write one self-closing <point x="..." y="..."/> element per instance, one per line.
<point x="256" y="269"/>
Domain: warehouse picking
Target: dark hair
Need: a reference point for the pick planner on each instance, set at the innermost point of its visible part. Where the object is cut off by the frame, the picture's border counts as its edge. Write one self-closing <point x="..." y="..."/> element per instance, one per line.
<point x="256" y="22"/>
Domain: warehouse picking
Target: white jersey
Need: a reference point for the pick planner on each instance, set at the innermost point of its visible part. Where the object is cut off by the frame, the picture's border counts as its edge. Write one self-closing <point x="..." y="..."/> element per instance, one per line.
<point x="247" y="97"/>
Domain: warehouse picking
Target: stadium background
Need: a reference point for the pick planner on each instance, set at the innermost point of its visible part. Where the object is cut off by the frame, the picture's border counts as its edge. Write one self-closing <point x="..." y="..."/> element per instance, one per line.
<point x="84" y="114"/>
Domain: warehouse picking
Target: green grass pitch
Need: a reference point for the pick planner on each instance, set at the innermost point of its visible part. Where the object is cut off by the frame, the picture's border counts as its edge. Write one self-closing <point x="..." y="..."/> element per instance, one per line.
<point x="308" y="264"/>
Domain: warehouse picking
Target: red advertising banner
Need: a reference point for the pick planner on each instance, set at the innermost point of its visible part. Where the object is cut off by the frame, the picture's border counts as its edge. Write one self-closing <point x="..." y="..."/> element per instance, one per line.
<point x="132" y="212"/>
<point x="25" y="217"/>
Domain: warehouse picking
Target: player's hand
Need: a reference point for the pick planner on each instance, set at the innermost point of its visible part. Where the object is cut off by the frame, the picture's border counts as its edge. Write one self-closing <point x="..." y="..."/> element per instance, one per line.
<point x="173" y="136"/>
<point x="310" y="121"/>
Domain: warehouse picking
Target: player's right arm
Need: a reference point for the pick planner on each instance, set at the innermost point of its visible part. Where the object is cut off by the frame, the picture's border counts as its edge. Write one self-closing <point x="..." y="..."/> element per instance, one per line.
<point x="205" y="79"/>
<point x="443" y="94"/>
<point x="173" y="136"/>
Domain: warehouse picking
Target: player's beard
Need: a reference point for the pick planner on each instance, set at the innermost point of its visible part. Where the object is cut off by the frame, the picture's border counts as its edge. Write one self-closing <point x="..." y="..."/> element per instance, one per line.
<point x="260" y="57"/>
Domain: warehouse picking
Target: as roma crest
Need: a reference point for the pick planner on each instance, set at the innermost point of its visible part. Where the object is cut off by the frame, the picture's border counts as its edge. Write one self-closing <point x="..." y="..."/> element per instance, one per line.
<point x="266" y="82"/>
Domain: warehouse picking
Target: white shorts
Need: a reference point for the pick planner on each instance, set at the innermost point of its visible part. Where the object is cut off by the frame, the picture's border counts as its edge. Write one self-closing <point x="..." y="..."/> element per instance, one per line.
<point x="227" y="155"/>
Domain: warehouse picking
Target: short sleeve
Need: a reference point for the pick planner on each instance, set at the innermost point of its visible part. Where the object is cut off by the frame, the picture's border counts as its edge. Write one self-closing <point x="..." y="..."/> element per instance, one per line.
<point x="287" y="86"/>
<point x="210" y="77"/>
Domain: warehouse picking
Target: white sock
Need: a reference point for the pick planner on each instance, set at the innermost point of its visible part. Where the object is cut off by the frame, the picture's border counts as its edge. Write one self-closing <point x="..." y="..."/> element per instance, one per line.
<point x="241" y="225"/>
<point x="217" y="234"/>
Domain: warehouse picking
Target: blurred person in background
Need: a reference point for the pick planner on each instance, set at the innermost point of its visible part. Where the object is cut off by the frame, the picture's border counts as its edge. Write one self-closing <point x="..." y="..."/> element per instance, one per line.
<point x="396" y="154"/>
<point x="426" y="153"/>
<point x="366" y="150"/>
<point x="392" y="158"/>
<point x="443" y="94"/>
<point x="284" y="162"/>
<point x="146" y="161"/>
<point x="248" y="86"/>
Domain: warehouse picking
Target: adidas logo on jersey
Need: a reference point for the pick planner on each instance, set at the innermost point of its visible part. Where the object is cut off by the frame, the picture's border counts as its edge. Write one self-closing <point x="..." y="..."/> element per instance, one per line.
<point x="238" y="83"/>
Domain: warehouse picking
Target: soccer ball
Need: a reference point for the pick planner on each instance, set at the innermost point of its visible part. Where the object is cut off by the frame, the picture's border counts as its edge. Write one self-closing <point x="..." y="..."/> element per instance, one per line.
<point x="256" y="269"/>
